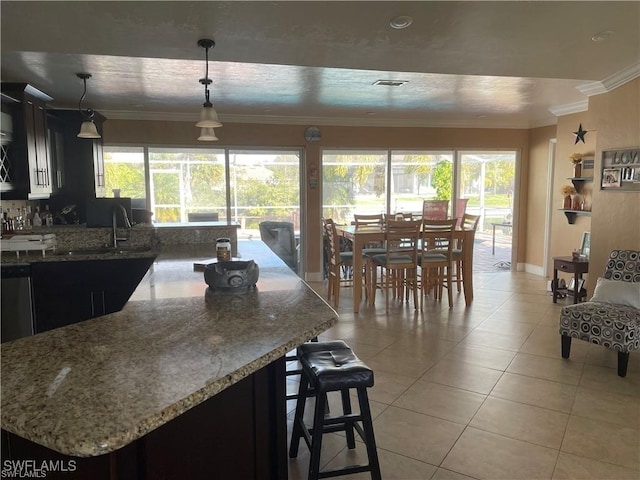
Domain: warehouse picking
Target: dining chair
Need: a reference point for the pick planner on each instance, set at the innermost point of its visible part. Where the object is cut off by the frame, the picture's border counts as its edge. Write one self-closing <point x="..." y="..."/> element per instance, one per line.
<point x="469" y="222"/>
<point x="337" y="262"/>
<point x="435" y="209"/>
<point x="461" y="209"/>
<point x="398" y="216"/>
<point x="361" y="220"/>
<point x="436" y="257"/>
<point x="399" y="263"/>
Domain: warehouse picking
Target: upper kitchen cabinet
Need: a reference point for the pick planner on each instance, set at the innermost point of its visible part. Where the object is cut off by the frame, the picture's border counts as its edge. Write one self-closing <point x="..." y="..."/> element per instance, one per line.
<point x="25" y="162"/>
<point x="83" y="174"/>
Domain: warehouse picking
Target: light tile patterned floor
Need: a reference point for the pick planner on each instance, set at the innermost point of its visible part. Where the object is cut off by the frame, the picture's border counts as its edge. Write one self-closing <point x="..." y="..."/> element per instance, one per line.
<point x="482" y="391"/>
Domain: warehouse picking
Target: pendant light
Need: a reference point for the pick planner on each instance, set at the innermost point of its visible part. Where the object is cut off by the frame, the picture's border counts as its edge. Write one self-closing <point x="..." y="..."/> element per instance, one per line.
<point x="88" y="128"/>
<point x="207" y="134"/>
<point x="208" y="115"/>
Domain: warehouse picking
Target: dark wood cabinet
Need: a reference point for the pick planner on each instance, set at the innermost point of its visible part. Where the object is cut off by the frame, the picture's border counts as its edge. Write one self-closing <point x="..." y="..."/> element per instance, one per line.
<point x="55" y="140"/>
<point x="28" y="156"/>
<point x="239" y="433"/>
<point x="72" y="291"/>
<point x="83" y="157"/>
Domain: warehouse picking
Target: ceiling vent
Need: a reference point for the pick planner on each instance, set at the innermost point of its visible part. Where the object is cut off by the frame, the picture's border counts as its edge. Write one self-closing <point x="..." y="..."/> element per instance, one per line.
<point x="391" y="83"/>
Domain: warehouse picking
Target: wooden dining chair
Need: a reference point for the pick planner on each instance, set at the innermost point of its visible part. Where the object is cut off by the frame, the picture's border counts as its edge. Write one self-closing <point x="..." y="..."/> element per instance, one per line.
<point x="399" y="263"/>
<point x="436" y="257"/>
<point x="469" y="222"/>
<point x="435" y="209"/>
<point x="338" y="262"/>
<point x="461" y="209"/>
<point x="361" y="220"/>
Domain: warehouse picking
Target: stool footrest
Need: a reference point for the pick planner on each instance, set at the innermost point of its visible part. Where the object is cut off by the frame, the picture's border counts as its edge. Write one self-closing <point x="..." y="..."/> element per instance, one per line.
<point x="344" y="471"/>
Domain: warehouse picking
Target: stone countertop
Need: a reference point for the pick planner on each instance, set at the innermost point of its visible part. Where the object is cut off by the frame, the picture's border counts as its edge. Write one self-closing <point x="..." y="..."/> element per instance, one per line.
<point x="91" y="388"/>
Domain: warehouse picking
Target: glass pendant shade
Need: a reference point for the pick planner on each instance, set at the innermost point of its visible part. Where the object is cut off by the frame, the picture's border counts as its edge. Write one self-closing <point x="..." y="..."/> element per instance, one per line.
<point x="207" y="135"/>
<point x="88" y="130"/>
<point x="208" y="118"/>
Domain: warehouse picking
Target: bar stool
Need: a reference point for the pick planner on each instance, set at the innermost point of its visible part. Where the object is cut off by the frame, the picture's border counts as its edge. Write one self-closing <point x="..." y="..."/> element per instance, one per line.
<point x="332" y="367"/>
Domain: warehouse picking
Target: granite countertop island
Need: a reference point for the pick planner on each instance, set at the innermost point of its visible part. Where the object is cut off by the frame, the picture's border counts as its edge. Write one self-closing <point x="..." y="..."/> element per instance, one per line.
<point x="94" y="387"/>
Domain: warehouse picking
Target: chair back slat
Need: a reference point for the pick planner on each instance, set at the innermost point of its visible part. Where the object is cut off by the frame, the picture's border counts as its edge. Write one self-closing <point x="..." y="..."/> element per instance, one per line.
<point x="435" y="209"/>
<point x="368" y="220"/>
<point x="331" y="239"/>
<point x="437" y="237"/>
<point x="401" y="239"/>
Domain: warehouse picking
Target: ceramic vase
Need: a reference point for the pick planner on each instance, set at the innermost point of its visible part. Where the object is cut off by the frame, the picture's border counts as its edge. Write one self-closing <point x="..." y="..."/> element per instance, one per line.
<point x="577" y="170"/>
<point x="567" y="202"/>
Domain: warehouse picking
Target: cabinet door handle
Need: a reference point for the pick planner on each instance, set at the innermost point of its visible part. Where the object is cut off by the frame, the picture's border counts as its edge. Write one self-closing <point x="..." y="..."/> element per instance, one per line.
<point x="104" y="308"/>
<point x="93" y="310"/>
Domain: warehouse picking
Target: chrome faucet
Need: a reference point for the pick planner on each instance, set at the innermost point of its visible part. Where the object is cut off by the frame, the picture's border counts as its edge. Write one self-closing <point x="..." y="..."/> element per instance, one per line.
<point x="127" y="224"/>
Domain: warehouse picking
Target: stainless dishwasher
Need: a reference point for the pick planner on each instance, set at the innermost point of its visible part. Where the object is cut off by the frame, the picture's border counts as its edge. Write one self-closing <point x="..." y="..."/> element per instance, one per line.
<point x="16" y="307"/>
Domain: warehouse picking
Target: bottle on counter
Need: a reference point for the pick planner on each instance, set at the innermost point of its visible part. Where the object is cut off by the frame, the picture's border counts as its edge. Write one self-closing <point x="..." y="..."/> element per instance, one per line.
<point x="48" y="217"/>
<point x="37" y="220"/>
<point x="223" y="249"/>
<point x="27" y="218"/>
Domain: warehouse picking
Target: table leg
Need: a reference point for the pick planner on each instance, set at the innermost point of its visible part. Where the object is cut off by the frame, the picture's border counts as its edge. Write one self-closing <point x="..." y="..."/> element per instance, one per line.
<point x="576" y="290"/>
<point x="467" y="266"/>
<point x="554" y="285"/>
<point x="357" y="273"/>
<point x="493" y="242"/>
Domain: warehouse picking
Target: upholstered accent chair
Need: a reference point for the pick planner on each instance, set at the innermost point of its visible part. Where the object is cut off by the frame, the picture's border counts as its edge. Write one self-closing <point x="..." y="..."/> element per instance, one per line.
<point x="611" y="317"/>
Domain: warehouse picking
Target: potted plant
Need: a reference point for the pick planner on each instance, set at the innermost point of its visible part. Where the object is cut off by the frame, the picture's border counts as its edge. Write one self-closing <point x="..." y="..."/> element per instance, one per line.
<point x="576" y="160"/>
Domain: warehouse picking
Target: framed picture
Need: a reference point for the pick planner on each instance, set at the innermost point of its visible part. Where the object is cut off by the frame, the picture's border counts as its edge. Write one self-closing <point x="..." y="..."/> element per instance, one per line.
<point x="611" y="178"/>
<point x="628" y="174"/>
<point x="585" y="247"/>
<point x="572" y="284"/>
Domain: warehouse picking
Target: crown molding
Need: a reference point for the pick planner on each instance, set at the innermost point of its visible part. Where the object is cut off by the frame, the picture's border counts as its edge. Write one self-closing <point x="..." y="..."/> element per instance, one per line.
<point x="612" y="82"/>
<point x="570" y="108"/>
<point x="328" y="121"/>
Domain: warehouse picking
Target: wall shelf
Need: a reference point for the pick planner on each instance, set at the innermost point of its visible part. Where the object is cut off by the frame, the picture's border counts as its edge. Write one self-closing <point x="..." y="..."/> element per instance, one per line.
<point x="572" y="214"/>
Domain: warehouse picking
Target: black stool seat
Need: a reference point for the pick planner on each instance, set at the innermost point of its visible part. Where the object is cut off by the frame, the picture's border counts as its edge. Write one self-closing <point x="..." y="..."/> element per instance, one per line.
<point x="333" y="367"/>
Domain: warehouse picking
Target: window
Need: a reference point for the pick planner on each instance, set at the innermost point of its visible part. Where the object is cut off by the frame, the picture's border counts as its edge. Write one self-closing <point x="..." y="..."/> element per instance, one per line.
<point x="186" y="180"/>
<point x="358" y="181"/>
<point x="124" y="170"/>
<point x="246" y="186"/>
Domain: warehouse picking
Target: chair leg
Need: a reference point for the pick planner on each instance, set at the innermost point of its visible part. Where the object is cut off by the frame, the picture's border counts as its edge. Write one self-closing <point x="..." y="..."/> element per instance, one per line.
<point x="623" y="361"/>
<point x="316" y="436"/>
<point x="296" y="432"/>
<point x="566" y="346"/>
<point x="346" y="409"/>
<point x="370" y="441"/>
<point x="449" y="287"/>
<point x="459" y="274"/>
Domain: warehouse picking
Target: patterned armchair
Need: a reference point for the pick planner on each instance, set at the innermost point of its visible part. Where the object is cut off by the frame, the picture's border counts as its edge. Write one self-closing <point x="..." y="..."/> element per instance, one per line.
<point x="612" y="317"/>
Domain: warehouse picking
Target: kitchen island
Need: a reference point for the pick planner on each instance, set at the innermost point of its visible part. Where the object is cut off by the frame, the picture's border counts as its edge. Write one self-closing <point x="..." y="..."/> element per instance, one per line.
<point x="182" y="383"/>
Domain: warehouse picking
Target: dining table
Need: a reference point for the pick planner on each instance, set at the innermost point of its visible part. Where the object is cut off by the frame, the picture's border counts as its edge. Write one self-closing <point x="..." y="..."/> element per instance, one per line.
<point x="364" y="235"/>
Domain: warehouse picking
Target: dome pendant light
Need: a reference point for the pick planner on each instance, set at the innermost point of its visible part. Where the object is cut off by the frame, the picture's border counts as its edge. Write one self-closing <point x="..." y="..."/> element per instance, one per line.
<point x="208" y="115"/>
<point x="88" y="128"/>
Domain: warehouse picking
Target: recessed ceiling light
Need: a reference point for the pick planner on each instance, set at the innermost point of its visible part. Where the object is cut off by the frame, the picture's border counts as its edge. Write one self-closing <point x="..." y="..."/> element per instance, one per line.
<point x="602" y="36"/>
<point x="403" y="21"/>
<point x="390" y="83"/>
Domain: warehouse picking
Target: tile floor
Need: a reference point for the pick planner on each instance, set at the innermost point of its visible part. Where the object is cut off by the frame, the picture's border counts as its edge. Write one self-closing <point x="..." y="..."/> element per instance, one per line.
<point x="482" y="392"/>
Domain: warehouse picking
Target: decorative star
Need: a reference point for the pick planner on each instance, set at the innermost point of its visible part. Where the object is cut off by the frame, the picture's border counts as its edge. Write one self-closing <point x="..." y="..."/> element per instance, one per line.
<point x="580" y="134"/>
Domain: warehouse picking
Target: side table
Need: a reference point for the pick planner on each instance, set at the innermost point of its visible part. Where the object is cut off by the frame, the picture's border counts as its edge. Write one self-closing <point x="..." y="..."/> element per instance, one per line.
<point x="569" y="265"/>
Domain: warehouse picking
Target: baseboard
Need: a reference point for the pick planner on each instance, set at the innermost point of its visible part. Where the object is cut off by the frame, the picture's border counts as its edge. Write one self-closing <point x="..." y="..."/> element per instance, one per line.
<point x="534" y="269"/>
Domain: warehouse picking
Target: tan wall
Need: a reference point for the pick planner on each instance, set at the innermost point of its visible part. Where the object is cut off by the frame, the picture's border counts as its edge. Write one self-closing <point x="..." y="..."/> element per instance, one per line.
<point x="615" y="220"/>
<point x="184" y="133"/>
<point x="565" y="237"/>
<point x="537" y="180"/>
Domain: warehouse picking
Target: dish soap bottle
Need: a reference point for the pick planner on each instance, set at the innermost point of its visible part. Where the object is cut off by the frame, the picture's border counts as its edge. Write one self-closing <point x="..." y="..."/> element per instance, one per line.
<point x="37" y="221"/>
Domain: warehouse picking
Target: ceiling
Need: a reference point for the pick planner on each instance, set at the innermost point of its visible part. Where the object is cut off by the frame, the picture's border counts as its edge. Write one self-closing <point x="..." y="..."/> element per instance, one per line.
<point x="509" y="64"/>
